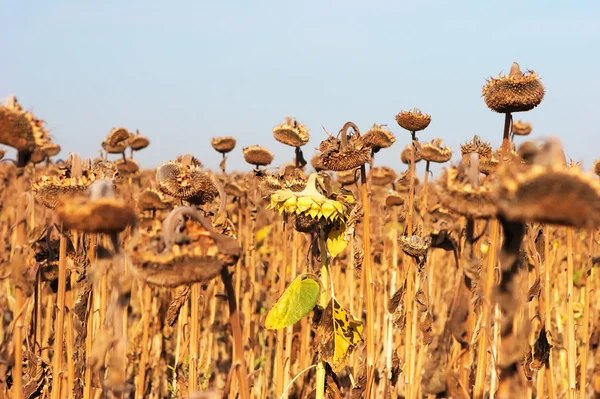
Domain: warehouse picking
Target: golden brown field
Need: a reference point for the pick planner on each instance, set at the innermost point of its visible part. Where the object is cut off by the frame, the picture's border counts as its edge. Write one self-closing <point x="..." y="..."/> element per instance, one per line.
<point x="332" y="278"/>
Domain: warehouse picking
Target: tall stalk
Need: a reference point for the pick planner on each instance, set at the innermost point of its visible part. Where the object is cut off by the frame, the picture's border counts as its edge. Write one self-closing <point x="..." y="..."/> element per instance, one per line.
<point x="194" y="338"/>
<point x="238" y="345"/>
<point x="19" y="300"/>
<point x="60" y="318"/>
<point x="571" y="346"/>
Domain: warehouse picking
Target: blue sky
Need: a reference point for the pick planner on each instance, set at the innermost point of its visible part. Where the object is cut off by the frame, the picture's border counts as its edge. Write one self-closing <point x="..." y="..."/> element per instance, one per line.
<point x="185" y="71"/>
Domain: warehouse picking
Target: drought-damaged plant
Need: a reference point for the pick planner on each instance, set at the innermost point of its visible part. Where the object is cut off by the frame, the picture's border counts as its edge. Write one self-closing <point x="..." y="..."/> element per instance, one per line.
<point x="223" y="145"/>
<point x="294" y="134"/>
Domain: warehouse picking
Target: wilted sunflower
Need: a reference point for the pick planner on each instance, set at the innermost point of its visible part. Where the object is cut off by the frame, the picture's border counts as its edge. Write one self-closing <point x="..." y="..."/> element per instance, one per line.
<point x="257" y="156"/>
<point x="347" y="177"/>
<point x="223" y="145"/>
<point x="487" y="160"/>
<point x="459" y="190"/>
<point x="186" y="250"/>
<point x="116" y="141"/>
<point x="521" y="128"/>
<point x="515" y="92"/>
<point x="347" y="152"/>
<point x="152" y="200"/>
<point x="292" y="133"/>
<point x="433" y="151"/>
<point x="413" y="121"/>
<point x="382" y="175"/>
<point x="138" y="142"/>
<point x="406" y="154"/>
<point x="98" y="212"/>
<point x="127" y="166"/>
<point x="185" y="181"/>
<point x="378" y="137"/>
<point x="21" y="130"/>
<point x="415" y="245"/>
<point x="546" y="191"/>
<point x="44" y="152"/>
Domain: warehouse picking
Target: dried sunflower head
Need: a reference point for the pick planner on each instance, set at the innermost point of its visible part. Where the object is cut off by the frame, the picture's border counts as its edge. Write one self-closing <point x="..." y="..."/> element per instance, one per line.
<point x="223" y="145"/>
<point x="16" y="128"/>
<point x="402" y="185"/>
<point x="187" y="249"/>
<point x="483" y="148"/>
<point x="152" y="200"/>
<point x="382" y="175"/>
<point x="349" y="152"/>
<point x="433" y="151"/>
<point x="394" y="199"/>
<point x="292" y="133"/>
<point x="459" y="190"/>
<point x="347" y="177"/>
<point x="378" y="137"/>
<point x="187" y="182"/>
<point x="546" y="191"/>
<point x="317" y="163"/>
<point x="127" y="167"/>
<point x="414" y="120"/>
<point x="596" y="167"/>
<point x="257" y="156"/>
<point x="100" y="212"/>
<point x="406" y="154"/>
<point x="515" y="92"/>
<point x="415" y="246"/>
<point x="138" y="142"/>
<point x="521" y="128"/>
<point x="117" y="135"/>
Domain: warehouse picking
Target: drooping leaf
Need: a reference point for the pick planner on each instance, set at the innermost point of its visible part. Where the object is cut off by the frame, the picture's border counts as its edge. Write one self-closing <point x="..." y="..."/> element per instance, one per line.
<point x="339" y="333"/>
<point x="297" y="301"/>
<point x="336" y="242"/>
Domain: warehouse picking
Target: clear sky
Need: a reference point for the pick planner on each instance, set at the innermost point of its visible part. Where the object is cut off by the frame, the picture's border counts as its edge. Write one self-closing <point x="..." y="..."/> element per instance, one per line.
<point x="185" y="71"/>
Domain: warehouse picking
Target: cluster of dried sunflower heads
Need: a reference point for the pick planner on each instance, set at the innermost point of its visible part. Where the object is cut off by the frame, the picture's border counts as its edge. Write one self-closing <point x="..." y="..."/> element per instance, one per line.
<point x="546" y="191"/>
<point x="117" y="141"/>
<point x="186" y="250"/>
<point x="223" y="145"/>
<point x="310" y="202"/>
<point x="49" y="190"/>
<point x="382" y="175"/>
<point x="339" y="156"/>
<point x="521" y="128"/>
<point x="257" y="156"/>
<point x="458" y="193"/>
<point x="98" y="212"/>
<point x="434" y="151"/>
<point x="292" y="133"/>
<point x="414" y="120"/>
<point x="515" y="92"/>
<point x="186" y="181"/>
<point x="138" y="142"/>
<point x="378" y="137"/>
<point x="407" y="152"/>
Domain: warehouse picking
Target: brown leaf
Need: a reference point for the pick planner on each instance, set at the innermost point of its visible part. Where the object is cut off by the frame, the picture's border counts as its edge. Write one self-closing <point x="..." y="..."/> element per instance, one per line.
<point x="181" y="297"/>
<point x="535" y="289"/>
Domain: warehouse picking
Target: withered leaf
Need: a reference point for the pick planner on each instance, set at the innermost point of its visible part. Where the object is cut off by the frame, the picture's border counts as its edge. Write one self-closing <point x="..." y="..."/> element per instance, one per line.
<point x="535" y="289"/>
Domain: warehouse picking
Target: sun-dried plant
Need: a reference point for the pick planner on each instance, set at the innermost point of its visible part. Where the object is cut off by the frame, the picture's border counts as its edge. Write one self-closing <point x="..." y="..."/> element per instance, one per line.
<point x="292" y="133"/>
<point x="520" y="128"/>
<point x="185" y="181"/>
<point x="433" y="151"/>
<point x="457" y="193"/>
<point x="186" y="250"/>
<point x="547" y="191"/>
<point x="413" y="120"/>
<point x="137" y="141"/>
<point x="257" y="156"/>
<point x="515" y="92"/>
<point x="405" y="155"/>
<point x="382" y="175"/>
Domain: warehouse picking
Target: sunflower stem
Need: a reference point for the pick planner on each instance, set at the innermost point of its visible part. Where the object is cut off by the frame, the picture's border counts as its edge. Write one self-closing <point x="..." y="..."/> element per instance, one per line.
<point x="571" y="346"/>
<point x="236" y="327"/>
<point x="506" y="137"/>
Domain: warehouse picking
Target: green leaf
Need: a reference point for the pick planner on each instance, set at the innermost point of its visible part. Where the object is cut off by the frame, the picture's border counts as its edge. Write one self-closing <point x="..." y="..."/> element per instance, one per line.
<point x="296" y="302"/>
<point x="335" y="240"/>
